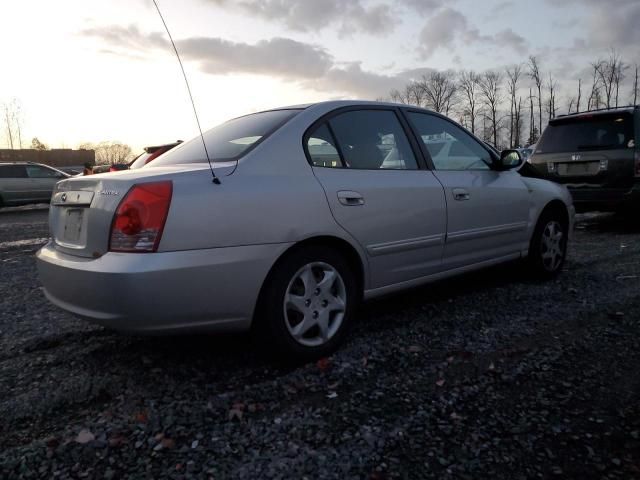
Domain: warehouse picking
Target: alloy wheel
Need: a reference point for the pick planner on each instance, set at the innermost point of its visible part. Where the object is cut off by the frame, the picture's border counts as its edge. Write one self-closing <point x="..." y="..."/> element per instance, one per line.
<point x="552" y="246"/>
<point x="315" y="304"/>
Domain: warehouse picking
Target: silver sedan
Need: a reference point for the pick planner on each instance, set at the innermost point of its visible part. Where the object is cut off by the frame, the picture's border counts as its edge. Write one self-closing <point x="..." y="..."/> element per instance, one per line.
<point x="314" y="208"/>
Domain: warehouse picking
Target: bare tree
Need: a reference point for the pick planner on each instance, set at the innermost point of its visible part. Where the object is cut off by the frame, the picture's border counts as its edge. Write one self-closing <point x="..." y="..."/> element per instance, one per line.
<point x="440" y="90"/>
<point x="108" y="153"/>
<point x="12" y="120"/>
<point x="579" y="96"/>
<point x="594" y="96"/>
<point x="38" y="145"/>
<point x="635" y="92"/>
<point x="513" y="76"/>
<point x="551" y="101"/>
<point x="412" y="94"/>
<point x="534" y="74"/>
<point x="518" y="123"/>
<point x="532" y="119"/>
<point x="469" y="84"/>
<point x="610" y="73"/>
<point x="490" y="85"/>
<point x="8" y="122"/>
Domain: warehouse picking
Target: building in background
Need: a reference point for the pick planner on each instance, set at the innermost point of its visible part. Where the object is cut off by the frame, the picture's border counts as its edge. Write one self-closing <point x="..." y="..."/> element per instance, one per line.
<point x="62" y="158"/>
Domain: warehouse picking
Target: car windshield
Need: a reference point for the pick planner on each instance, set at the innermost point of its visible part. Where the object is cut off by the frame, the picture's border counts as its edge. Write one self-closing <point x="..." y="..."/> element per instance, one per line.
<point x="593" y="132"/>
<point x="228" y="141"/>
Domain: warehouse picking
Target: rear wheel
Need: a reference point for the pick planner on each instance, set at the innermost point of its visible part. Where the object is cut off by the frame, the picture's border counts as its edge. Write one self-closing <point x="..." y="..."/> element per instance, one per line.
<point x="548" y="249"/>
<point x="308" y="303"/>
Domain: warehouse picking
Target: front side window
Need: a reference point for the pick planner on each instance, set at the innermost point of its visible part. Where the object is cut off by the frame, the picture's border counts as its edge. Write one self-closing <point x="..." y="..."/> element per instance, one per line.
<point x="228" y="141"/>
<point x="12" y="171"/>
<point x="450" y="147"/>
<point x="372" y="140"/>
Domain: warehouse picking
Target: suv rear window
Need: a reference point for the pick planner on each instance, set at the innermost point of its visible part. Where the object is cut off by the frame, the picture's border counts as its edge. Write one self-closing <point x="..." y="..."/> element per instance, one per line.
<point x="228" y="141"/>
<point x="584" y="133"/>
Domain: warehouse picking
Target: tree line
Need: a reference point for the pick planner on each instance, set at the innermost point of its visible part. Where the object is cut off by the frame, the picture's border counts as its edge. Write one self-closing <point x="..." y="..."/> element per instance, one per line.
<point x="494" y="104"/>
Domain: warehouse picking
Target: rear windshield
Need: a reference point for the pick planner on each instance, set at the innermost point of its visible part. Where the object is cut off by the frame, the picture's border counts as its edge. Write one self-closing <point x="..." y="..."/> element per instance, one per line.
<point x="597" y="132"/>
<point x="228" y="141"/>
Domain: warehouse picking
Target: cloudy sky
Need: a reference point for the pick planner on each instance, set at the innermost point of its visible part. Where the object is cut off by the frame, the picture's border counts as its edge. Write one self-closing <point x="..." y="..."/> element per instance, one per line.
<point x="104" y="70"/>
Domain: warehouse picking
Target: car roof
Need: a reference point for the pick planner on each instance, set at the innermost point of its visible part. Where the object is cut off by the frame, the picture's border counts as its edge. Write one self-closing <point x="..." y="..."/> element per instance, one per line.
<point x="24" y="162"/>
<point x="343" y="103"/>
<point x="600" y="111"/>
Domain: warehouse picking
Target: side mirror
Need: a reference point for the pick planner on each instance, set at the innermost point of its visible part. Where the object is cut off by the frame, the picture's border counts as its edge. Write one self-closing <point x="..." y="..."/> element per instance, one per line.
<point x="510" y="159"/>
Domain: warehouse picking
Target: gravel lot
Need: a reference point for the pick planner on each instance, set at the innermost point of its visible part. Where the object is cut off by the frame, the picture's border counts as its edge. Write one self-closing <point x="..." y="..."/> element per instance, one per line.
<point x="486" y="376"/>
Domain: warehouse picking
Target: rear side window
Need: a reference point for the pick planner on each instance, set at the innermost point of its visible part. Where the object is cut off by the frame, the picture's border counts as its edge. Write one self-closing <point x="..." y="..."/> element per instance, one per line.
<point x="12" y="171"/>
<point x="597" y="132"/>
<point x="228" y="141"/>
<point x="322" y="148"/>
<point x="364" y="140"/>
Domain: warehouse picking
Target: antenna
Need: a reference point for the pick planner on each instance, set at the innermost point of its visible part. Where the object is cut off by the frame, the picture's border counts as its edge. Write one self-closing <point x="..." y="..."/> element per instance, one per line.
<point x="216" y="180"/>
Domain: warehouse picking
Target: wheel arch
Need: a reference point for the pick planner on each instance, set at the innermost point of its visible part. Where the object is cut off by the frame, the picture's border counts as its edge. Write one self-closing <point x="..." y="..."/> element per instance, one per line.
<point x="351" y="253"/>
<point x="556" y="206"/>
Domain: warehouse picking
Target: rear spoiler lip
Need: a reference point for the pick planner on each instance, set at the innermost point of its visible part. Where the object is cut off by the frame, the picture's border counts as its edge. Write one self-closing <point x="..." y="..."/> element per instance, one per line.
<point x="154" y="148"/>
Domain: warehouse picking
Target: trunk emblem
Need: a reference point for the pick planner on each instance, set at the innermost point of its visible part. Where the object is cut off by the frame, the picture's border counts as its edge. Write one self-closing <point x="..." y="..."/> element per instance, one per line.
<point x="63" y="197"/>
<point x="575" y="157"/>
<point x="108" y="192"/>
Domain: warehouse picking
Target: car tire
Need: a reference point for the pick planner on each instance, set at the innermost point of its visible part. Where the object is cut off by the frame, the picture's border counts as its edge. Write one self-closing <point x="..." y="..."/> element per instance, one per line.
<point x="548" y="247"/>
<point x="308" y="304"/>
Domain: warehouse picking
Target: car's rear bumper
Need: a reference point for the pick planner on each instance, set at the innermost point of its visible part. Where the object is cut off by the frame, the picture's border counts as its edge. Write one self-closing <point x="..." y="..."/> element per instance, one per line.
<point x="197" y="290"/>
<point x="587" y="198"/>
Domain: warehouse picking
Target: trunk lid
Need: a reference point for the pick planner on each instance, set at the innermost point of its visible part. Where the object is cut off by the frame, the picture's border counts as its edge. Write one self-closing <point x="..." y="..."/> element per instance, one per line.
<point x="82" y="208"/>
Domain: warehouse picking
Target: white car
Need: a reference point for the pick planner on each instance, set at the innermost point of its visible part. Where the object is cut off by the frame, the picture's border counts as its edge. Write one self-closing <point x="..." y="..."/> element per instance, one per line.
<point x="302" y="212"/>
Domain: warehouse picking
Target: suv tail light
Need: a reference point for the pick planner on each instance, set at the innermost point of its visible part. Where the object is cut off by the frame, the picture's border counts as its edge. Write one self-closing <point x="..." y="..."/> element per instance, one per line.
<point x="636" y="168"/>
<point x="139" y="220"/>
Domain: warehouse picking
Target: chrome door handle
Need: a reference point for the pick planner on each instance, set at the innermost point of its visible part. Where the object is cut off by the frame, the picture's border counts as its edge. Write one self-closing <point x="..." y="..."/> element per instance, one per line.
<point x="350" y="198"/>
<point x="460" y="194"/>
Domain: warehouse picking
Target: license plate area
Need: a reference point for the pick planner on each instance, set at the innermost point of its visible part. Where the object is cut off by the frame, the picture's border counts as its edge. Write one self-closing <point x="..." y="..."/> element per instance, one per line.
<point x="72" y="224"/>
<point x="578" y="169"/>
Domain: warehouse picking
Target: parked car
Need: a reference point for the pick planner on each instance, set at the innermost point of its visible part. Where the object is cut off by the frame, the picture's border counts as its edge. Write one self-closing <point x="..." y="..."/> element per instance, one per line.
<point x="596" y="155"/>
<point x="116" y="167"/>
<point x="22" y="183"/>
<point x="317" y="207"/>
<point x="151" y="153"/>
<point x="104" y="168"/>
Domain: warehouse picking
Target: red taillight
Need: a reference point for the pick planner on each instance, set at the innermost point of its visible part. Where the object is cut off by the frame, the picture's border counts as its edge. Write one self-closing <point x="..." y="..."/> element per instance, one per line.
<point x="138" y="222"/>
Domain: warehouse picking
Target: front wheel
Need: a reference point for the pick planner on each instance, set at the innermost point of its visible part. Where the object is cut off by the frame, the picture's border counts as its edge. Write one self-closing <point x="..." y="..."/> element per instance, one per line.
<point x="548" y="248"/>
<point x="308" y="304"/>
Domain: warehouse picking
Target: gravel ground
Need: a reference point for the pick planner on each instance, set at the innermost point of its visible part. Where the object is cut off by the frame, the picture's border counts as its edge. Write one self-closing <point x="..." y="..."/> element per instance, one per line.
<point x="486" y="376"/>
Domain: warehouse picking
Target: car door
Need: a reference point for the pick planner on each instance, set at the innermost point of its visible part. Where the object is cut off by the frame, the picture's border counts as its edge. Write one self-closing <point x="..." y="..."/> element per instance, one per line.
<point x="42" y="181"/>
<point x="14" y="184"/>
<point x="487" y="210"/>
<point x="378" y="193"/>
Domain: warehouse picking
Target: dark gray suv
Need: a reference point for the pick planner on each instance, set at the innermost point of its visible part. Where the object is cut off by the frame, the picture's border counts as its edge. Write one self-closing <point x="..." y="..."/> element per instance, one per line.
<point x="596" y="155"/>
<point x="22" y="183"/>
